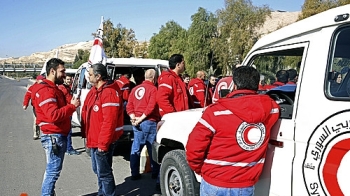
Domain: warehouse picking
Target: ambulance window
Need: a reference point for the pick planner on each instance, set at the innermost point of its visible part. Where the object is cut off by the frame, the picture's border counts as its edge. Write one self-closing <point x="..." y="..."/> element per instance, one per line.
<point x="83" y="83"/>
<point x="75" y="83"/>
<point x="279" y="75"/>
<point x="338" y="79"/>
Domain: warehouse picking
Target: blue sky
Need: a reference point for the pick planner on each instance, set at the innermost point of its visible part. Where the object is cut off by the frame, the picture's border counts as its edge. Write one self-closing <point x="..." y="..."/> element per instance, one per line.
<point x="42" y="25"/>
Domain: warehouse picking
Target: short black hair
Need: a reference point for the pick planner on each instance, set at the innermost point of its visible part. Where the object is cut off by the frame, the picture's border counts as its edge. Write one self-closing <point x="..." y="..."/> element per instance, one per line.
<point x="101" y="69"/>
<point x="185" y="76"/>
<point x="282" y="76"/>
<point x="292" y="74"/>
<point x="175" y="59"/>
<point x="246" y="77"/>
<point x="53" y="64"/>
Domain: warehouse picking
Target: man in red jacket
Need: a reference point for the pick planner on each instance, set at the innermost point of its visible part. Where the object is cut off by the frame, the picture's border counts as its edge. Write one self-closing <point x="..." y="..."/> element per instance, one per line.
<point x="198" y="91"/>
<point x="65" y="88"/>
<point x="101" y="125"/>
<point x="27" y="98"/>
<point x="124" y="84"/>
<point x="144" y="114"/>
<point x="53" y="116"/>
<point x="172" y="95"/>
<point x="227" y="147"/>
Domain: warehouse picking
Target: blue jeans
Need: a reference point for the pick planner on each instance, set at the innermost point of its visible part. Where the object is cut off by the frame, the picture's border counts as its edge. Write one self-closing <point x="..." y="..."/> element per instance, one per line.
<point x="144" y="134"/>
<point x="54" y="162"/>
<point x="211" y="190"/>
<point x="102" y="167"/>
<point x="69" y="141"/>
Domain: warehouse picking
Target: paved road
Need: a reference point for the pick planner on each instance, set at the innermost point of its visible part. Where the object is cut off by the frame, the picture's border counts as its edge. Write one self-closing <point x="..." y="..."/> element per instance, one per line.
<point x="22" y="159"/>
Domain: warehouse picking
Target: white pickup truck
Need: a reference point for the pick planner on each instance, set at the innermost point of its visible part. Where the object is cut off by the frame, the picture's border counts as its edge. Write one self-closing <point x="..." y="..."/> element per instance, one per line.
<point x="308" y="152"/>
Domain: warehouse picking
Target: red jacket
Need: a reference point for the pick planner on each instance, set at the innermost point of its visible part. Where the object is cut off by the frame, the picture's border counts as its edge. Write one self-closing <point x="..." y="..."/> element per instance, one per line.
<point x="66" y="92"/>
<point x="142" y="100"/>
<point x="124" y="86"/>
<point x="101" y="116"/>
<point x="52" y="111"/>
<point x="172" y="94"/>
<point x="197" y="90"/>
<point x="274" y="85"/>
<point x="228" y="144"/>
<point x="28" y="95"/>
<point x="224" y="83"/>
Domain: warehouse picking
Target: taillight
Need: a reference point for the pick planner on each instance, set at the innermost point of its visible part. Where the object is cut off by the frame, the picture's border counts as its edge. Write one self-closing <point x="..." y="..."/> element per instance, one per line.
<point x="159" y="124"/>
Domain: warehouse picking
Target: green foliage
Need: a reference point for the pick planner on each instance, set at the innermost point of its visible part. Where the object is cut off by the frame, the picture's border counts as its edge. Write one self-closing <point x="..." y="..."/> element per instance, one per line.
<point x="118" y="42"/>
<point x="141" y="50"/>
<point x="80" y="58"/>
<point x="312" y="7"/>
<point x="170" y="39"/>
<point x="238" y="24"/>
<point x="199" y="53"/>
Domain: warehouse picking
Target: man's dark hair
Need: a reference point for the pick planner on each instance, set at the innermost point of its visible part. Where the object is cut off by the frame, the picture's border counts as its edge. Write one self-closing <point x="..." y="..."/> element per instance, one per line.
<point x="292" y="74"/>
<point x="175" y="59"/>
<point x="53" y="64"/>
<point x="185" y="76"/>
<point x="282" y="76"/>
<point x="246" y="77"/>
<point x="99" y="68"/>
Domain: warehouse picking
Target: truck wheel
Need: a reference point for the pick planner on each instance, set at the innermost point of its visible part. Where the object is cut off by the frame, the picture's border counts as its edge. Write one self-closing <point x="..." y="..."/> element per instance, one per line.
<point x="176" y="177"/>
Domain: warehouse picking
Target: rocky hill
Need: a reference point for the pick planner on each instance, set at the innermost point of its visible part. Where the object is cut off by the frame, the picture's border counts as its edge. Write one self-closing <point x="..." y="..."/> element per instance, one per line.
<point x="67" y="52"/>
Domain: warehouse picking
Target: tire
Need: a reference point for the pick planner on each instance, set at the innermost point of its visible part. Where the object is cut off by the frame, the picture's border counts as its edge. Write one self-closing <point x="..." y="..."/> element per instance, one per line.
<point x="176" y="177"/>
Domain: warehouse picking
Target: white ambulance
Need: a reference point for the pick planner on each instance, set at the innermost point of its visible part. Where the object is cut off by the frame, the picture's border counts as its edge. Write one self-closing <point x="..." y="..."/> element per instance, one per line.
<point x="308" y="152"/>
<point x="115" y="66"/>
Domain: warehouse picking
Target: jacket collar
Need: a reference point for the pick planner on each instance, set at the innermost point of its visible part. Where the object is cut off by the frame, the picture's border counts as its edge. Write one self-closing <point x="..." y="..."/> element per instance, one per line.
<point x="238" y="93"/>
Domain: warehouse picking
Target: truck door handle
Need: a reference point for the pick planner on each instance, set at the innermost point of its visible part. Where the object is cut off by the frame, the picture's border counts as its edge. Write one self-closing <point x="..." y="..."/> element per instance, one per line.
<point x="276" y="143"/>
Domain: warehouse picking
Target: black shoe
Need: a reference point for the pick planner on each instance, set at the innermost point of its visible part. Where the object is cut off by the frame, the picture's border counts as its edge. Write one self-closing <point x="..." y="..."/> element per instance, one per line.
<point x="136" y="177"/>
<point x="158" y="187"/>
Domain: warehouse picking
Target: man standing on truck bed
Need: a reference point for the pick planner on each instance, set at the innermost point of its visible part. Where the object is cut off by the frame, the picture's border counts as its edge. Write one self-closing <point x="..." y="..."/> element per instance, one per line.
<point x="172" y="95"/>
<point x="144" y="114"/>
<point x="227" y="147"/>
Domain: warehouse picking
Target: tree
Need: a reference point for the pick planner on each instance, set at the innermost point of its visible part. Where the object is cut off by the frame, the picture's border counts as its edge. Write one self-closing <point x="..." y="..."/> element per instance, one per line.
<point x="141" y="50"/>
<point x="118" y="41"/>
<point x="170" y="39"/>
<point x="238" y="24"/>
<point x="199" y="52"/>
<point x="312" y="7"/>
<point x="80" y="58"/>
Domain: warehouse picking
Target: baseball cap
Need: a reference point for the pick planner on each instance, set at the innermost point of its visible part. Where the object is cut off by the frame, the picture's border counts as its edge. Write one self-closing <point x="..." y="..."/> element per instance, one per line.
<point x="40" y="77"/>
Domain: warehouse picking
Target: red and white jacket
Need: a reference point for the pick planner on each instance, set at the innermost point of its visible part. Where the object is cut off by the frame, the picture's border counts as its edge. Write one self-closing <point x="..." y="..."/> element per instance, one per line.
<point x="124" y="86"/>
<point x="142" y="100"/>
<point x="197" y="90"/>
<point x="66" y="92"/>
<point x="224" y="83"/>
<point x="101" y="116"/>
<point x="172" y="94"/>
<point x="52" y="111"/>
<point x="228" y="144"/>
<point x="28" y="95"/>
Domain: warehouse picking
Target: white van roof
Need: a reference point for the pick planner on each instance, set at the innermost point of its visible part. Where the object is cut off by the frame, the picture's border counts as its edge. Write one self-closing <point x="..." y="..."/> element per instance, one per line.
<point x="132" y="62"/>
<point x="136" y="62"/>
<point x="312" y="23"/>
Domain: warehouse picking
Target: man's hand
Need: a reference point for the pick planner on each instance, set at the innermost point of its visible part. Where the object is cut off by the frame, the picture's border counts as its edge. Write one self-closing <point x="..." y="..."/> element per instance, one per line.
<point x="75" y="101"/>
<point x="25" y="107"/>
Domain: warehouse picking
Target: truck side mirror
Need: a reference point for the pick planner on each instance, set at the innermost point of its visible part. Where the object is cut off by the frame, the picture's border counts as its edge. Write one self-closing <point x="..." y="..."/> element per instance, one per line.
<point x="223" y="92"/>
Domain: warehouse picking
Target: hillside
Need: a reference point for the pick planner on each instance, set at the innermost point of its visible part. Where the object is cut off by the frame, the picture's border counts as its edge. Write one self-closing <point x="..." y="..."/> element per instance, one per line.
<point x="67" y="52"/>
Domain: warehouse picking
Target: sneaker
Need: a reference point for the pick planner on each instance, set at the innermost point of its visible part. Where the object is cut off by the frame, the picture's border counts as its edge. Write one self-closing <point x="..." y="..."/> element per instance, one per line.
<point x="73" y="152"/>
<point x="136" y="177"/>
<point x="158" y="187"/>
<point x="35" y="137"/>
